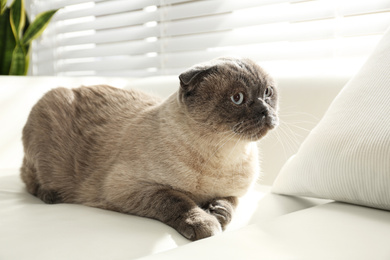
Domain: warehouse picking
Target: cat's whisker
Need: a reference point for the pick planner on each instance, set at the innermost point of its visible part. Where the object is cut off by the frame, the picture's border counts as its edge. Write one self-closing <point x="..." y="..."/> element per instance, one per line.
<point x="229" y="136"/>
<point x="281" y="143"/>
<point x="290" y="133"/>
<point x="294" y="134"/>
<point x="287" y="112"/>
<point x="297" y="126"/>
<point x="254" y="123"/>
<point x="290" y="142"/>
<point x="287" y="142"/>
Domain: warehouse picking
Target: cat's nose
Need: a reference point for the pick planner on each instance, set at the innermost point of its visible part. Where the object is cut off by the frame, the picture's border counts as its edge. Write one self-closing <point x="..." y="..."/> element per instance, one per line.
<point x="261" y="109"/>
<point x="263" y="112"/>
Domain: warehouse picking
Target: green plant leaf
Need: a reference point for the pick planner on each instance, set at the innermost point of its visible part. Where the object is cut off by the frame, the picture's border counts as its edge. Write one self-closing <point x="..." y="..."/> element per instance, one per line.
<point x="37" y="26"/>
<point x="18" y="64"/>
<point x="3" y="5"/>
<point x="7" y="42"/>
<point x="17" y="18"/>
<point x="26" y="25"/>
<point x="27" y="61"/>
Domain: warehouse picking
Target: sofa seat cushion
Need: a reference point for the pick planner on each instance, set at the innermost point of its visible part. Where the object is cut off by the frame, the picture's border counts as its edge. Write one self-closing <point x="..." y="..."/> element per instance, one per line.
<point x="335" y="230"/>
<point x="31" y="229"/>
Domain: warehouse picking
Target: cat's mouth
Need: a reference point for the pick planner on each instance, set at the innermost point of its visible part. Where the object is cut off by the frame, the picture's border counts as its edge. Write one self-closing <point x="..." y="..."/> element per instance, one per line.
<point x="256" y="128"/>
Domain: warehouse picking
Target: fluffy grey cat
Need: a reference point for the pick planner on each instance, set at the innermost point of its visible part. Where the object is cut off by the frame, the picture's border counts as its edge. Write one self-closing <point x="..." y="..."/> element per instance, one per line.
<point x="183" y="161"/>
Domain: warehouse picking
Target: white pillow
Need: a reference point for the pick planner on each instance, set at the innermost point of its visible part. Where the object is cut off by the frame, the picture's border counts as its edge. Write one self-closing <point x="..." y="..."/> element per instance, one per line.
<point x="346" y="157"/>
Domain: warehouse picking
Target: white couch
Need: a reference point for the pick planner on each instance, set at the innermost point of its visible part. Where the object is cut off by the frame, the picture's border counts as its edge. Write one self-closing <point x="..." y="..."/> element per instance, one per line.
<point x="266" y="225"/>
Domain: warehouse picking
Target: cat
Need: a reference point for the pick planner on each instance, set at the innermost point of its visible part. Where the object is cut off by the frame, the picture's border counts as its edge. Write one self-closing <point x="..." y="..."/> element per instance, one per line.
<point x="184" y="161"/>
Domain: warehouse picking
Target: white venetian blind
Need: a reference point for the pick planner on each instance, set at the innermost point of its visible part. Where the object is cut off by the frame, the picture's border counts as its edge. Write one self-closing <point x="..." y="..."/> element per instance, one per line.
<point x="156" y="37"/>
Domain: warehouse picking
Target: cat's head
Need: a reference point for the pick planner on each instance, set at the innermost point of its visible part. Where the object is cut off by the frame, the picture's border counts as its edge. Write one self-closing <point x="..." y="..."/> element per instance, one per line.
<point x="231" y="95"/>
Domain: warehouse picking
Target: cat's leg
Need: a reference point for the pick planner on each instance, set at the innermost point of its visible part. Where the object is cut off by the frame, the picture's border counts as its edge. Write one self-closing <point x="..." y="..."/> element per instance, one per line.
<point x="49" y="196"/>
<point x="222" y="209"/>
<point x="179" y="211"/>
<point x="171" y="207"/>
<point x="30" y="177"/>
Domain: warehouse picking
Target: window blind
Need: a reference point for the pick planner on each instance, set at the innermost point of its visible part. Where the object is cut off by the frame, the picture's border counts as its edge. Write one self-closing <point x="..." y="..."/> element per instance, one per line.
<point x="141" y="38"/>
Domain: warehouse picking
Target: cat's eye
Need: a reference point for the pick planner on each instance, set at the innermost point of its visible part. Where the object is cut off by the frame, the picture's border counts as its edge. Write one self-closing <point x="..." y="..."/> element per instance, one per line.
<point x="237" y="98"/>
<point x="268" y="92"/>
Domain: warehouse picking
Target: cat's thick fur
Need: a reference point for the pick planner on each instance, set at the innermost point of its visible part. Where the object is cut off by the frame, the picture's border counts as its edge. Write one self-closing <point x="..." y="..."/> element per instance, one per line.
<point x="183" y="161"/>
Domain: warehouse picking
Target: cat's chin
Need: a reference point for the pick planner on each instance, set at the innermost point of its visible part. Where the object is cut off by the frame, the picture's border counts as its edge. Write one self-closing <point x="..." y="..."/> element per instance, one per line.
<point x="272" y="122"/>
<point x="254" y="130"/>
<point x="254" y="137"/>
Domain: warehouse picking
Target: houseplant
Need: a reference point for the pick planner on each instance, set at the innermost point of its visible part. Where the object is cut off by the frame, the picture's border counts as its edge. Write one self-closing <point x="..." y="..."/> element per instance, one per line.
<point x="16" y="35"/>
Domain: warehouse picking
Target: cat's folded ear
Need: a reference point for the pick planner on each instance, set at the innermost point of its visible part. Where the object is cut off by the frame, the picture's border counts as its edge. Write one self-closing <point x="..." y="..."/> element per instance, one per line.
<point x="195" y="74"/>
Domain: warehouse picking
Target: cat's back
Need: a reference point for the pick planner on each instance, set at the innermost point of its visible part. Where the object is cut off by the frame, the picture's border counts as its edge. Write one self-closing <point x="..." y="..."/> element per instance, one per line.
<point x="112" y="99"/>
<point x="91" y="104"/>
<point x="100" y="100"/>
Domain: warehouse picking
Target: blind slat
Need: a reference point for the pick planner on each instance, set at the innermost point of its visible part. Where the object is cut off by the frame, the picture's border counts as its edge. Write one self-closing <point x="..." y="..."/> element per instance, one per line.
<point x="203" y="8"/>
<point x="192" y="9"/>
<point x="122" y="34"/>
<point x="135" y="62"/>
<point x="42" y="6"/>
<point x="116" y="49"/>
<point x="112" y="21"/>
<point x="107" y="8"/>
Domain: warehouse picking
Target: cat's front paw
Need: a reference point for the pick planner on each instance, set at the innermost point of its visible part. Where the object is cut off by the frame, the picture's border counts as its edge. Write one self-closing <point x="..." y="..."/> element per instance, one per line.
<point x="198" y="225"/>
<point x="222" y="209"/>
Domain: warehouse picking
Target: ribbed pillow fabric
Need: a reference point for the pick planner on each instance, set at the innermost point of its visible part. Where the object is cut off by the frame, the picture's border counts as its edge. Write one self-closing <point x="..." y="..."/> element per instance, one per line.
<point x="346" y="157"/>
